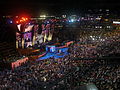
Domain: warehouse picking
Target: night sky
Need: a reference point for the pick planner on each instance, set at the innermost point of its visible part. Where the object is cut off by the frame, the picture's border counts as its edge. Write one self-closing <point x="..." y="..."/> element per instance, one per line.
<point x="35" y="7"/>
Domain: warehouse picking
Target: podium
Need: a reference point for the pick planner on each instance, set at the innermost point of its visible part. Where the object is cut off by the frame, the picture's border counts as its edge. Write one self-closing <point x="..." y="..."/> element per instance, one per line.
<point x="51" y="48"/>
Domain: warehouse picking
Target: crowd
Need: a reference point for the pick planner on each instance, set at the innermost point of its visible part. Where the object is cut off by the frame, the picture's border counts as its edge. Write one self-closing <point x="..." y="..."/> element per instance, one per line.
<point x="104" y="76"/>
<point x="66" y="73"/>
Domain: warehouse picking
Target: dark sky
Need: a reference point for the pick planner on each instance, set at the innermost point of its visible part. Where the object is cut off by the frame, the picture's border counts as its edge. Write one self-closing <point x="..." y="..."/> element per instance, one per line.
<point x="35" y="7"/>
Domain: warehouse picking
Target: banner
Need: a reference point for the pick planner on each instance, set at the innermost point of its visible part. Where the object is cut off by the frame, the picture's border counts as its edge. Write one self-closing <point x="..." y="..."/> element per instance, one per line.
<point x="18" y="62"/>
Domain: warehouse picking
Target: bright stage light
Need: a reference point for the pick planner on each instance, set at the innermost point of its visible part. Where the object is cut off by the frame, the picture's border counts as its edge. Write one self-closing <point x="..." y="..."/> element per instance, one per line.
<point x="26" y="18"/>
<point x="11" y="22"/>
<point x="116" y="22"/>
<point x="21" y="20"/>
<point x="43" y="16"/>
<point x="91" y="36"/>
<point x="17" y="21"/>
<point x="72" y="20"/>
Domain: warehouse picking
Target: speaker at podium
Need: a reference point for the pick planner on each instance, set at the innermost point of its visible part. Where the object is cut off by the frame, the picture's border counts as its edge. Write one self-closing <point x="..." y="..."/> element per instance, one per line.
<point x="50" y="48"/>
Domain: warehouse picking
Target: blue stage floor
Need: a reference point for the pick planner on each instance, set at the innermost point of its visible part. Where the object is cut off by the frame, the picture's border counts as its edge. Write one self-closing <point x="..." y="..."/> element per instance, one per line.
<point x="55" y="54"/>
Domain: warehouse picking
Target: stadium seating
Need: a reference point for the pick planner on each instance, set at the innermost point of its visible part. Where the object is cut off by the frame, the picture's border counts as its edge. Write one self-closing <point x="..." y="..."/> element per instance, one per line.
<point x="8" y="50"/>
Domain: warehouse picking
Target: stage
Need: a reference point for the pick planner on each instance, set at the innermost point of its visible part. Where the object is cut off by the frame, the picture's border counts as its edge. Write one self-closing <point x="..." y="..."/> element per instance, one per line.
<point x="58" y="53"/>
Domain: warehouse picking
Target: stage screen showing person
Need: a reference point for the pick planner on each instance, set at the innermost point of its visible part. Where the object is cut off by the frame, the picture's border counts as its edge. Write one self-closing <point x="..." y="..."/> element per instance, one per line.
<point x="18" y="40"/>
<point x="27" y="39"/>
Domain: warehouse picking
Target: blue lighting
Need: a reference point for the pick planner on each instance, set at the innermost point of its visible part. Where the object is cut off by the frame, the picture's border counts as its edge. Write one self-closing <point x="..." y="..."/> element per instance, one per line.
<point x="72" y="20"/>
<point x="47" y="21"/>
<point x="11" y="22"/>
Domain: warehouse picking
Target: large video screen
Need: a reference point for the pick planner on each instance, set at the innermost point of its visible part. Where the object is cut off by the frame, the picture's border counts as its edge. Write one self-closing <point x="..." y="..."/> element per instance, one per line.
<point x="47" y="30"/>
<point x="27" y="39"/>
<point x="24" y="36"/>
<point x="30" y="34"/>
<point x="18" y="40"/>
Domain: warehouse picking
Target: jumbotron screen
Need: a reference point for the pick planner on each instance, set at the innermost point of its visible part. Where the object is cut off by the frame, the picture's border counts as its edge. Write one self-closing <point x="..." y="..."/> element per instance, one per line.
<point x="47" y="30"/>
<point x="27" y="35"/>
<point x="24" y="36"/>
<point x="27" y="39"/>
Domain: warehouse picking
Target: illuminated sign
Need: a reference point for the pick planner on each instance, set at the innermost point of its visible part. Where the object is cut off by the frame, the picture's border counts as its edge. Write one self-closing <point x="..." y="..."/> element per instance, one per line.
<point x="116" y="22"/>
